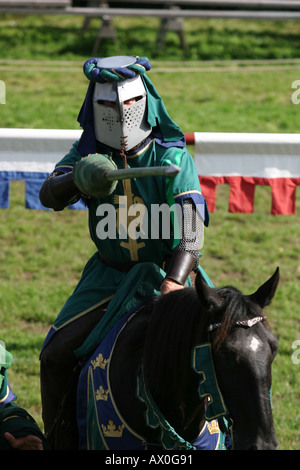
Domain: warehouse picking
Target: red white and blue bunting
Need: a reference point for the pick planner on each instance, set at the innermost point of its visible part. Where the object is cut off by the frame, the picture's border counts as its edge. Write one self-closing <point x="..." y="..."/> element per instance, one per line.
<point x="244" y="161"/>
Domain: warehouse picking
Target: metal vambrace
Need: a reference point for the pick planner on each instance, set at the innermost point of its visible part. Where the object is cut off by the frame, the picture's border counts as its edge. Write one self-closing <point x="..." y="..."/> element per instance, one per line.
<point x="180" y="266"/>
<point x="58" y="191"/>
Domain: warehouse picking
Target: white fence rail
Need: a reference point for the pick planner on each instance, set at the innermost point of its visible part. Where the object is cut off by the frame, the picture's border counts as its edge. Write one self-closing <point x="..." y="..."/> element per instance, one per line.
<point x="241" y="160"/>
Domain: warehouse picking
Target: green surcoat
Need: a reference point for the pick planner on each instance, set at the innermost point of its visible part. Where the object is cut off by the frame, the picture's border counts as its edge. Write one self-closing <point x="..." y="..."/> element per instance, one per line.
<point x="130" y="208"/>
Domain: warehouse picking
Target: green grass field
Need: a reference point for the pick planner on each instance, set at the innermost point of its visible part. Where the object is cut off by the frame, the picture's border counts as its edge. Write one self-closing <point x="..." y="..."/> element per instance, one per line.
<point x="43" y="253"/>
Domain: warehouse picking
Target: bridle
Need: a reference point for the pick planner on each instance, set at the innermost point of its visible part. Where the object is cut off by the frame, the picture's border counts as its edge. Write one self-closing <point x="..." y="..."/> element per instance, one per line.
<point x="245" y="323"/>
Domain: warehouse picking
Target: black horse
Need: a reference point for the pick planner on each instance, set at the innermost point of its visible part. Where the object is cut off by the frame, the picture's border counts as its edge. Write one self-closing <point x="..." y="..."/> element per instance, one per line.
<point x="158" y="343"/>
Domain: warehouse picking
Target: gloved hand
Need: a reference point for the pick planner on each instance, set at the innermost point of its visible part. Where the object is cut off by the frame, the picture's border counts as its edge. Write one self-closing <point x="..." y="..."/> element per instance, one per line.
<point x="89" y="175"/>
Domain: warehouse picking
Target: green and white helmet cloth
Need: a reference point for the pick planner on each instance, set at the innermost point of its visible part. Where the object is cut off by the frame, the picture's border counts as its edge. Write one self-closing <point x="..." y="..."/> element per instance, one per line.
<point x="115" y="80"/>
<point x="115" y="68"/>
<point x="119" y="103"/>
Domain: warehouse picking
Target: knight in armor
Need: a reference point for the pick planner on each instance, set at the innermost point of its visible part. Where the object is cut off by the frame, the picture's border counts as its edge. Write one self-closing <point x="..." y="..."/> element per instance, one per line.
<point x="124" y="120"/>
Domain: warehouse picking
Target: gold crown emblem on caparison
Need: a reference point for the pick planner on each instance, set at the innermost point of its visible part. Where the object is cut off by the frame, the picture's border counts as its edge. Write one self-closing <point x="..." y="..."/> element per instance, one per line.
<point x="99" y="362"/>
<point x="111" y="430"/>
<point x="101" y="394"/>
<point x="213" y="426"/>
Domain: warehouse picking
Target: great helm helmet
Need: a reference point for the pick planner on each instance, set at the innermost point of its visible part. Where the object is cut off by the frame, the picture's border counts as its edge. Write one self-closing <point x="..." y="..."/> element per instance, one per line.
<point x="120" y="107"/>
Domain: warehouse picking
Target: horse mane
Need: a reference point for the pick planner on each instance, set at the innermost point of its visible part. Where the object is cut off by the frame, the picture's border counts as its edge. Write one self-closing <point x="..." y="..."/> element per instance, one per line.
<point x="173" y="329"/>
<point x="178" y="322"/>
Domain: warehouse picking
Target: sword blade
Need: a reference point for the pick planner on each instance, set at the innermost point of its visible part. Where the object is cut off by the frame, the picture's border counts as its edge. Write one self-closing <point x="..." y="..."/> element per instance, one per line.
<point x="169" y="171"/>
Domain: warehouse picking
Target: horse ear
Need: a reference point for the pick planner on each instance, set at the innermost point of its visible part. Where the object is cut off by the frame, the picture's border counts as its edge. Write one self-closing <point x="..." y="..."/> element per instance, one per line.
<point x="208" y="296"/>
<point x="264" y="294"/>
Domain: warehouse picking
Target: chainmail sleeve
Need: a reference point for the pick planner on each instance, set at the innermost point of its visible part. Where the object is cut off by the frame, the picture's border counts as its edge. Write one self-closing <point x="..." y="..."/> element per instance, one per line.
<point x="186" y="255"/>
<point x="192" y="238"/>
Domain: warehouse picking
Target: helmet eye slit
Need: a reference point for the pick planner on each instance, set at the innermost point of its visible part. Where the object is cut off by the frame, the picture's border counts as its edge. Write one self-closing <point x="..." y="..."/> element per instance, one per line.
<point x="120" y="109"/>
<point x="109" y="104"/>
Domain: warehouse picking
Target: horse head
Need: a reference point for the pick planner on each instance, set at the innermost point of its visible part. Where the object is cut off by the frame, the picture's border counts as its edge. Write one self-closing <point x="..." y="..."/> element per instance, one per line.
<point x="243" y="349"/>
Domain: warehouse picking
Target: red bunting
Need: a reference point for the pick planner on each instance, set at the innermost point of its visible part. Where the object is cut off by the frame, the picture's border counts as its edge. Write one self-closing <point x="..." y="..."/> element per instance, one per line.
<point x="242" y="190"/>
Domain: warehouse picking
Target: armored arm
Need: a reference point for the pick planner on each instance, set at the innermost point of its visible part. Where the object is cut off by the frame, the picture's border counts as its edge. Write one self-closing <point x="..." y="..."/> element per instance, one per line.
<point x="59" y="190"/>
<point x="185" y="256"/>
